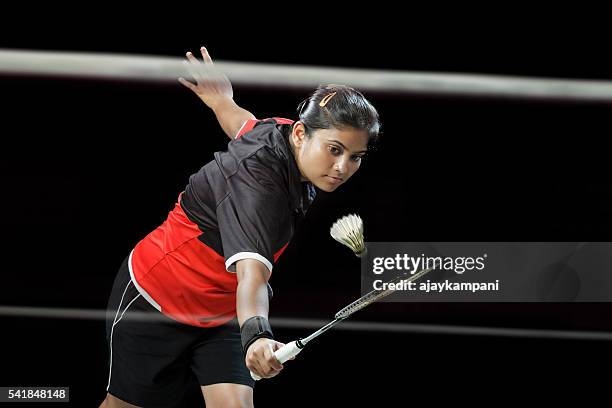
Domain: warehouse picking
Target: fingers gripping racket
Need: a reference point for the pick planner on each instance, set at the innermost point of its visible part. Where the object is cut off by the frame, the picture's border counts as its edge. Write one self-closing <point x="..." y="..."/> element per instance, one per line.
<point x="292" y="349"/>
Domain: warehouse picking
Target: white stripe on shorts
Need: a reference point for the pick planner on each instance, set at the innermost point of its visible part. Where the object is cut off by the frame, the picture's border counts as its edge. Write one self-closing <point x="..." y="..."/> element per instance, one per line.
<point x="115" y="321"/>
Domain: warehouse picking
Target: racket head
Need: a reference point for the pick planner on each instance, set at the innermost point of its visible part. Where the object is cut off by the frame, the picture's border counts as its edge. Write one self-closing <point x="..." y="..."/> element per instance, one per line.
<point x="376" y="295"/>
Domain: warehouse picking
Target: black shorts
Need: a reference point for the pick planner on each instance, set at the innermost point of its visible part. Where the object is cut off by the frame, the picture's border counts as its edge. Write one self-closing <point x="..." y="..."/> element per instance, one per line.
<point x="154" y="360"/>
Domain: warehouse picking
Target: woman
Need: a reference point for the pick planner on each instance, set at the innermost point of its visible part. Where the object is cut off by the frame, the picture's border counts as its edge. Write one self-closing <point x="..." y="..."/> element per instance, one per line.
<point x="209" y="263"/>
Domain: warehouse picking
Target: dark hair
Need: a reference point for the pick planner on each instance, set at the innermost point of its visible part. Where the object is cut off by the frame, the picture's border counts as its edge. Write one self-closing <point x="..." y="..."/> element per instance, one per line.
<point x="347" y="108"/>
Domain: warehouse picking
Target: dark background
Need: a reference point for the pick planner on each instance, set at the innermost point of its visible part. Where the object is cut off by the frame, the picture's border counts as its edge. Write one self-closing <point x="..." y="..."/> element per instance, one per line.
<point x="89" y="167"/>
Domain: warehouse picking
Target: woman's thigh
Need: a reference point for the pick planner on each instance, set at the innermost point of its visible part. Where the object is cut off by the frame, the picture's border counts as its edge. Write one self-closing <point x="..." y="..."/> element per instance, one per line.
<point x="228" y="395"/>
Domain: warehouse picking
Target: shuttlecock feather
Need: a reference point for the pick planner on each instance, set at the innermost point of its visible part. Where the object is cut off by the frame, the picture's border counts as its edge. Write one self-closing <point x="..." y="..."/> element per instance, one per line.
<point x="348" y="230"/>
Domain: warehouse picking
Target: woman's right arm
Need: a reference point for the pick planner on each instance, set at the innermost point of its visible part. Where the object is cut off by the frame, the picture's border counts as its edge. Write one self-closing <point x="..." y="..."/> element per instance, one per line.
<point x="251" y="301"/>
<point x="215" y="90"/>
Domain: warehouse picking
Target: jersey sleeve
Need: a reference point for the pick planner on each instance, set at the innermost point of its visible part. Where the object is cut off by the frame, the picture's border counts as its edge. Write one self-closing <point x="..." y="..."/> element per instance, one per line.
<point x="253" y="216"/>
<point x="248" y="125"/>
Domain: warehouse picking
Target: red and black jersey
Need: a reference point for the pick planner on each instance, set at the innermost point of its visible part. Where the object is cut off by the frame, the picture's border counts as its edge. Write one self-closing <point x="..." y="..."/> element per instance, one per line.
<point x="243" y="204"/>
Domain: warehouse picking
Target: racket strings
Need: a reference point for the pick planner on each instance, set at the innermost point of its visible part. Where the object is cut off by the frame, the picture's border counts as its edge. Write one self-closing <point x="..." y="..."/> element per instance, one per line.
<point x="376" y="295"/>
<point x="361" y="303"/>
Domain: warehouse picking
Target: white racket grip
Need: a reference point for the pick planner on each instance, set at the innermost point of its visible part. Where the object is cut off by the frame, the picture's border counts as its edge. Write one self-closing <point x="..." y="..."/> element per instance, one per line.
<point x="287" y="352"/>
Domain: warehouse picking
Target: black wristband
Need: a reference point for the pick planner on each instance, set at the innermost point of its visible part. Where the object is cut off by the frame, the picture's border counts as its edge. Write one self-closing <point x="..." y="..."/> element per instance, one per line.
<point x="254" y="328"/>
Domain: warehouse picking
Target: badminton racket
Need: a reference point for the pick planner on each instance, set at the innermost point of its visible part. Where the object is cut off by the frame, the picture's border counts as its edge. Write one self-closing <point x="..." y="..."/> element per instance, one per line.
<point x="292" y="349"/>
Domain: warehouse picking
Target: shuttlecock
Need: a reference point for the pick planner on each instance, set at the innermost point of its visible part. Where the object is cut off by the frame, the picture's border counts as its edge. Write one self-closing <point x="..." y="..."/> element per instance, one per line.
<point x="348" y="230"/>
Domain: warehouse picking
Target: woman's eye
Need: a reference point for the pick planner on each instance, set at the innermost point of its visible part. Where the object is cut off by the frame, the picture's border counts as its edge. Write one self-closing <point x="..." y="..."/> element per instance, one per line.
<point x="334" y="150"/>
<point x="357" y="158"/>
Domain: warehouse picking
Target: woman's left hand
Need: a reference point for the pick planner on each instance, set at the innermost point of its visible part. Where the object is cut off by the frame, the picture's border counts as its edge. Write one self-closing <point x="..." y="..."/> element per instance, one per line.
<point x="211" y="86"/>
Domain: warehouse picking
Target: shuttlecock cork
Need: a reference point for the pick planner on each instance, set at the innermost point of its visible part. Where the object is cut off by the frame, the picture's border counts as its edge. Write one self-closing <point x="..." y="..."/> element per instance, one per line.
<point x="348" y="230"/>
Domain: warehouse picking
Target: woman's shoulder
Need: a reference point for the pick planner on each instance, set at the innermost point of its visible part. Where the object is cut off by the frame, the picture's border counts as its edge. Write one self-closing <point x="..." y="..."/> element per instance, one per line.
<point x="268" y="123"/>
<point x="265" y="144"/>
<point x="263" y="136"/>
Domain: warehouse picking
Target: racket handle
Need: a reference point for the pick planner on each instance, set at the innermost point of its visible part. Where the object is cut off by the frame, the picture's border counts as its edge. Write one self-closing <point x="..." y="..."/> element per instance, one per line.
<point x="287" y="352"/>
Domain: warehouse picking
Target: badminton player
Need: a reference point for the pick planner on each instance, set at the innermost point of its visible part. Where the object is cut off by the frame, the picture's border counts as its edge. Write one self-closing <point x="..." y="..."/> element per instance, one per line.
<point x="205" y="270"/>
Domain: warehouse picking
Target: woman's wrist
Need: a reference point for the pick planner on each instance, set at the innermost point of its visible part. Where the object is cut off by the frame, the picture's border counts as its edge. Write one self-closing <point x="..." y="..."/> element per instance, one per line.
<point x="221" y="103"/>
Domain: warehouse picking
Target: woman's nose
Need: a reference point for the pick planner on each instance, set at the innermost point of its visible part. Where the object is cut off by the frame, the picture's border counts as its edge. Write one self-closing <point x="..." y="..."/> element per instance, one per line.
<point x="341" y="165"/>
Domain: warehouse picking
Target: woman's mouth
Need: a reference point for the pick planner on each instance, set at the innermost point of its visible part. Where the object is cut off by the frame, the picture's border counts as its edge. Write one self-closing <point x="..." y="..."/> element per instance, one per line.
<point x="333" y="180"/>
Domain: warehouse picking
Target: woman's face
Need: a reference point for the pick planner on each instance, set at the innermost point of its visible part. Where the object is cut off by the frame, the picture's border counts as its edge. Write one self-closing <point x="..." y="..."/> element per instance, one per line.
<point x="328" y="157"/>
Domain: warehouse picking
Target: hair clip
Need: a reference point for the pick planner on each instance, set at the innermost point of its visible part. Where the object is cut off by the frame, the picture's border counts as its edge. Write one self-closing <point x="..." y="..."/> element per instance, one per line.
<point x="326" y="99"/>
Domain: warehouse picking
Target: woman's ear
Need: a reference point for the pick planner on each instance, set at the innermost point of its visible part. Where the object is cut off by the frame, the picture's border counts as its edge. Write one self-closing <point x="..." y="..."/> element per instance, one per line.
<point x="298" y="134"/>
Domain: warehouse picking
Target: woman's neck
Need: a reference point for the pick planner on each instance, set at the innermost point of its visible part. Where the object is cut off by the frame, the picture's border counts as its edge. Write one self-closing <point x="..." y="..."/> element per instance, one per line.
<point x="295" y="151"/>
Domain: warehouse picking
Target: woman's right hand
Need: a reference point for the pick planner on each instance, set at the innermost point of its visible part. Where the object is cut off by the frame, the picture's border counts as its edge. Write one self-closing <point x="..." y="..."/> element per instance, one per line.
<point x="260" y="358"/>
<point x="211" y="86"/>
